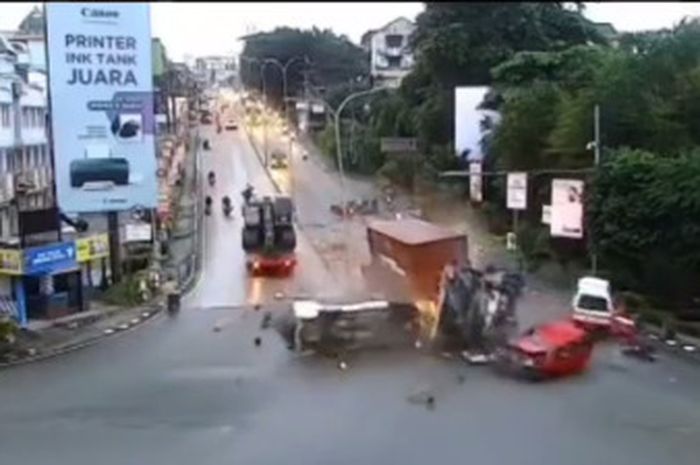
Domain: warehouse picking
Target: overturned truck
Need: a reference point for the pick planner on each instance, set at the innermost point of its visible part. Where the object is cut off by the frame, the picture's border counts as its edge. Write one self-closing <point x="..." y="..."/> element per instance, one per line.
<point x="429" y="294"/>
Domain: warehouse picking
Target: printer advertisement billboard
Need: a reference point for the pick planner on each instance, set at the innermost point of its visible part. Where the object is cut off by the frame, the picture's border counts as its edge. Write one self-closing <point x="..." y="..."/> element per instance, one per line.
<point x="101" y="87"/>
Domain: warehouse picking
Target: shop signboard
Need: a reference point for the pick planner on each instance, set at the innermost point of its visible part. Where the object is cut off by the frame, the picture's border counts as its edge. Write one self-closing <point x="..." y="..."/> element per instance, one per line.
<point x="10" y="261"/>
<point x="92" y="247"/>
<point x="49" y="259"/>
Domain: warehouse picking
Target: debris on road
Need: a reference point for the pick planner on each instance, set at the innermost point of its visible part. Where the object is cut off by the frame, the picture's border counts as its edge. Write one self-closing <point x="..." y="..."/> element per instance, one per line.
<point x="257" y="341"/>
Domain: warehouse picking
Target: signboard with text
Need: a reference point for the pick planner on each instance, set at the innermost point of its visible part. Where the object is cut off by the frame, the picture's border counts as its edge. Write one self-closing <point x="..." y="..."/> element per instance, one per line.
<point x="92" y="247"/>
<point x="48" y="259"/>
<point x="398" y="144"/>
<point x="101" y="88"/>
<point x="517" y="191"/>
<point x="566" y="216"/>
<point x="475" y="181"/>
<point x="10" y="261"/>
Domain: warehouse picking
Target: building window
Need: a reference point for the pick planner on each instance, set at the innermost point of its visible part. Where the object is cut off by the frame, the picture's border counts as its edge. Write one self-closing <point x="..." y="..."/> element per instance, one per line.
<point x="393" y="62"/>
<point x="393" y="40"/>
<point x="5" y="115"/>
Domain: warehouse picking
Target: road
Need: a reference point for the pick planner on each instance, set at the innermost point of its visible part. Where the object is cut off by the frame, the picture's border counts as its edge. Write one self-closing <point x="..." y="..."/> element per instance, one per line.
<point x="177" y="392"/>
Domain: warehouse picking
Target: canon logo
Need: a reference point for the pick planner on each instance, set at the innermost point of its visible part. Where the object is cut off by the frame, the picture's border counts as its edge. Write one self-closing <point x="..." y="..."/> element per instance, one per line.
<point x="97" y="13"/>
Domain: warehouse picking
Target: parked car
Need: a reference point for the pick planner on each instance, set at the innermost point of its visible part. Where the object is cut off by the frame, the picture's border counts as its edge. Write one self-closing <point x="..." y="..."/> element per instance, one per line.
<point x="553" y="349"/>
<point x="230" y="125"/>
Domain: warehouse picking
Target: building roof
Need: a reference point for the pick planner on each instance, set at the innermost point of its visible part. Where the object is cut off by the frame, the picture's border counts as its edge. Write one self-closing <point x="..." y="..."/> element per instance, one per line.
<point x="364" y="40"/>
<point x="412" y="231"/>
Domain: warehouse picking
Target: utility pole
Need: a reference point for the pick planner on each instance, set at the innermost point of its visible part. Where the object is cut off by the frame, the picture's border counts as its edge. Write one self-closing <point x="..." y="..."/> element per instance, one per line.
<point x="596" y="142"/>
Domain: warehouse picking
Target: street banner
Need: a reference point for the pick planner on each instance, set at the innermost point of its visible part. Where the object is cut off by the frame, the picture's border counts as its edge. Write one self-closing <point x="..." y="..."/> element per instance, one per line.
<point x="475" y="181"/>
<point x="567" y="208"/>
<point x="102" y="119"/>
<point x="92" y="247"/>
<point x="517" y="191"/>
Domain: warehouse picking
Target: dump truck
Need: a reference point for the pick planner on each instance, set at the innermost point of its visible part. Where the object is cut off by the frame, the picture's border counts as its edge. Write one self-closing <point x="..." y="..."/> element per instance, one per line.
<point x="268" y="235"/>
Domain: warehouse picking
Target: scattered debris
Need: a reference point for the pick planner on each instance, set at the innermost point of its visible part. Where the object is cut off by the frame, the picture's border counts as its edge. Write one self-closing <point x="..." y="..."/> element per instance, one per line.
<point x="258" y="341"/>
<point x="267" y="319"/>
<point x="423" y="396"/>
<point x="474" y="358"/>
<point x="653" y="336"/>
<point x="217" y="328"/>
<point x="430" y="401"/>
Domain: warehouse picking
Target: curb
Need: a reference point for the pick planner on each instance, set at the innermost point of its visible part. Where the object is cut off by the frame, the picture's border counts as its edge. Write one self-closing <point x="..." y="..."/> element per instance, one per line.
<point x="71" y="347"/>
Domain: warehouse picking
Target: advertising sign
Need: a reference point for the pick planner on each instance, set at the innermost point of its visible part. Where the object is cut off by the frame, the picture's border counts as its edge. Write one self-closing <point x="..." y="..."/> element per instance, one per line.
<point x="92" y="247"/>
<point x="47" y="259"/>
<point x="10" y="261"/>
<point x="138" y="232"/>
<point x="546" y="214"/>
<point x="517" y="191"/>
<point x="101" y="87"/>
<point x="475" y="187"/>
<point x="566" y="217"/>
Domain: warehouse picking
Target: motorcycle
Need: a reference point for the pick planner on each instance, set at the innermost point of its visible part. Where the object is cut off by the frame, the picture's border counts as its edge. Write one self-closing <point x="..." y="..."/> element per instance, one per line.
<point x="226" y="202"/>
<point x="212" y="178"/>
<point x="207" y="206"/>
<point x="206" y="144"/>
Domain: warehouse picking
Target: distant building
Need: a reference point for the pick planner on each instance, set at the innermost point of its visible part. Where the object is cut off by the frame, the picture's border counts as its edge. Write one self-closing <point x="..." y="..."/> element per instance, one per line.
<point x="391" y="57"/>
<point x="216" y="70"/>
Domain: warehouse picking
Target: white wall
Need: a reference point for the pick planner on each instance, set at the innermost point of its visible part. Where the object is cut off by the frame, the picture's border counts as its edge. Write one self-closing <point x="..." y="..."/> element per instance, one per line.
<point x="467" y="126"/>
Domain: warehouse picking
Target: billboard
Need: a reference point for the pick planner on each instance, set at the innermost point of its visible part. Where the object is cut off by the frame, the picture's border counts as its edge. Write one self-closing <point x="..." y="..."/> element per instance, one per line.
<point x="101" y="87"/>
<point x="517" y="191"/>
<point x="48" y="259"/>
<point x="92" y="247"/>
<point x="566" y="215"/>
<point x="471" y="124"/>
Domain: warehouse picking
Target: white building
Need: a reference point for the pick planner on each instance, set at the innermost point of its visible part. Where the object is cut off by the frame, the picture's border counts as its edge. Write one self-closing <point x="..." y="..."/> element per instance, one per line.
<point x="390" y="55"/>
<point x="216" y="70"/>
<point x="25" y="165"/>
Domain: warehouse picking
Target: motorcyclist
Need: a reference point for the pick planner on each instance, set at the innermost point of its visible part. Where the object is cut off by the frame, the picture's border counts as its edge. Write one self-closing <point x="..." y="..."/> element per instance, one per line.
<point x="207" y="205"/>
<point x="206" y="144"/>
<point x="212" y="178"/>
<point x="247" y="193"/>
<point x="227" y="205"/>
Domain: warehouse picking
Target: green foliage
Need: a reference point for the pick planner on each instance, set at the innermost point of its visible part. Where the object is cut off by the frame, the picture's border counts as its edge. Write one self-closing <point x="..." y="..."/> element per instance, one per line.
<point x="645" y="214"/>
<point x="334" y="59"/>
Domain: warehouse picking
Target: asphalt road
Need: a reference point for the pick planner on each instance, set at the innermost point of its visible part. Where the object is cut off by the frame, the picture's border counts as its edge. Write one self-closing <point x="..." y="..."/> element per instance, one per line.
<point x="177" y="392"/>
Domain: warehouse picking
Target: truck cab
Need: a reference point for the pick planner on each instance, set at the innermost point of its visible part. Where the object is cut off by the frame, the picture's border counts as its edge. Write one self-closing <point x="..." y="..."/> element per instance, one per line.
<point x="592" y="305"/>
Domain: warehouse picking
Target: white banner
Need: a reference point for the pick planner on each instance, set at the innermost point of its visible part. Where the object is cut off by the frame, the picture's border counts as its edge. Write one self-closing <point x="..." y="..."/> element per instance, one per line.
<point x="475" y="187"/>
<point x="138" y="232"/>
<point x="517" y="191"/>
<point x="567" y="208"/>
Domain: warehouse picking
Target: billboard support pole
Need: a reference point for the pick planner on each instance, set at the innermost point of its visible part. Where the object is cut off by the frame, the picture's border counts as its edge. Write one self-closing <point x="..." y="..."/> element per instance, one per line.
<point x="114" y="252"/>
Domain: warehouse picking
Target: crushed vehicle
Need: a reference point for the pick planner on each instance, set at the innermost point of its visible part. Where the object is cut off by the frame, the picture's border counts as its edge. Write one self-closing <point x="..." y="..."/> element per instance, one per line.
<point x="592" y="304"/>
<point x="334" y="328"/>
<point x="549" y="350"/>
<point x="268" y="236"/>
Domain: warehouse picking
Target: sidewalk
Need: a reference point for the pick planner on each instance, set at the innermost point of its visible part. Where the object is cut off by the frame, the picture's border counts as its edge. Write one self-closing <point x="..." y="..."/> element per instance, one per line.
<point x="45" y="339"/>
<point x="183" y="261"/>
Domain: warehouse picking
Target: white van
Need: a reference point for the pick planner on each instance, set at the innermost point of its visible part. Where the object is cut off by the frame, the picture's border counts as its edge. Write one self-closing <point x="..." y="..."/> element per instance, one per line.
<point x="592" y="304"/>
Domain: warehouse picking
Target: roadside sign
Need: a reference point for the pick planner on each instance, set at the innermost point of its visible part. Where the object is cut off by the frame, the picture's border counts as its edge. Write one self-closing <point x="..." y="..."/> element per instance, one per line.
<point x="517" y="191"/>
<point x="92" y="247"/>
<point x="399" y="144"/>
<point x="475" y="181"/>
<point x="48" y="259"/>
<point x="511" y="241"/>
<point x="546" y="214"/>
<point x="138" y="232"/>
<point x="567" y="208"/>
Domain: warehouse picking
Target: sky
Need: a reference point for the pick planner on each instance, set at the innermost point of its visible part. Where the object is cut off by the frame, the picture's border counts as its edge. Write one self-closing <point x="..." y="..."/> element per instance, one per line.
<point x="213" y="28"/>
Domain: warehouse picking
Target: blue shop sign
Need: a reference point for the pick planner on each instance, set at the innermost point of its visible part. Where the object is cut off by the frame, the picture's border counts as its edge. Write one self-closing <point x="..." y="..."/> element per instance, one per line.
<point x="49" y="259"/>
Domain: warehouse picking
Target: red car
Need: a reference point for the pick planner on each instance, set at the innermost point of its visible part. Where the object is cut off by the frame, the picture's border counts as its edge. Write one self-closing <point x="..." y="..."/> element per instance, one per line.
<point x="549" y="350"/>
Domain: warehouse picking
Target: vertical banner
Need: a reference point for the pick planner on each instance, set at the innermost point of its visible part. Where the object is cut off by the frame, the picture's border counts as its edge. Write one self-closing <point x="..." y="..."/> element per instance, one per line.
<point x="101" y="88"/>
<point x="475" y="181"/>
<point x="517" y="191"/>
<point x="566" y="217"/>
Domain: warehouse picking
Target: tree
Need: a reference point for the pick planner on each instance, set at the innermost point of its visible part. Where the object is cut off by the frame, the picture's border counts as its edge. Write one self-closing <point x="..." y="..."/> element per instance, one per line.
<point x="334" y="60"/>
